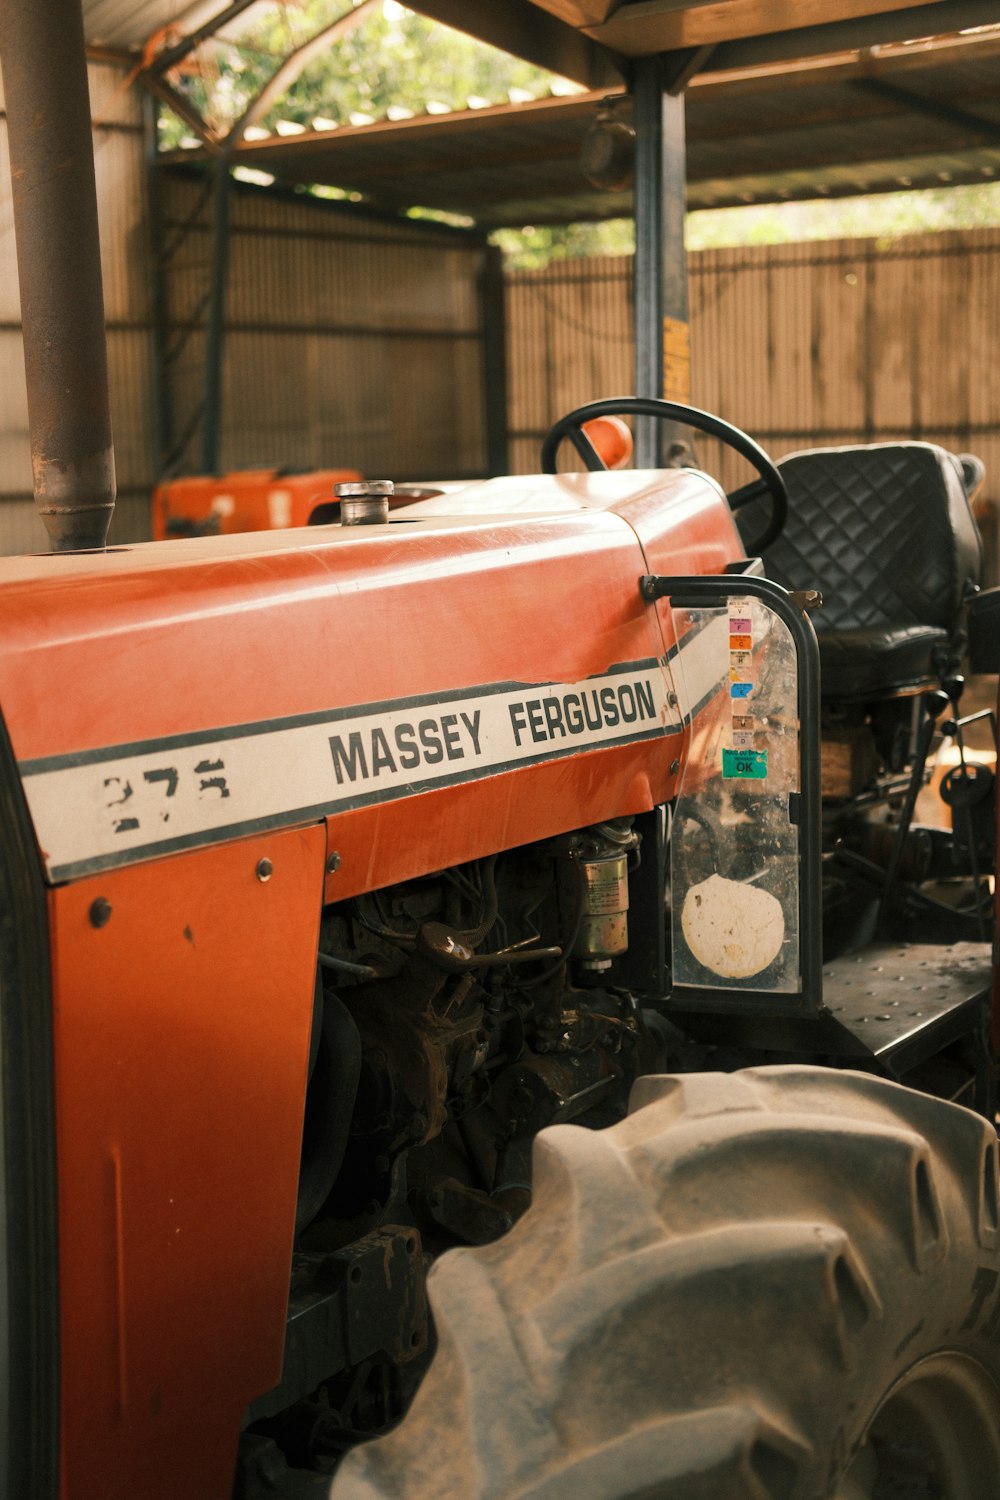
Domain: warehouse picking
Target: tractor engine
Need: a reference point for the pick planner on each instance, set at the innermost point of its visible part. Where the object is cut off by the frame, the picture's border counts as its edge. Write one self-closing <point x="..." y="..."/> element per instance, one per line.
<point x="457" y="1015"/>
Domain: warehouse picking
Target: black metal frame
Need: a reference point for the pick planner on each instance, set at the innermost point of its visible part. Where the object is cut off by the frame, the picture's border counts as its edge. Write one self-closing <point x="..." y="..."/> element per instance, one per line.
<point x="177" y="430"/>
<point x="30" y="1467"/>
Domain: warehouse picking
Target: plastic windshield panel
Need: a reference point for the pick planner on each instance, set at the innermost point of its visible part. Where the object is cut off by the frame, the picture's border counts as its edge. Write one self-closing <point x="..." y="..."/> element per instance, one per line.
<point x="735" y="845"/>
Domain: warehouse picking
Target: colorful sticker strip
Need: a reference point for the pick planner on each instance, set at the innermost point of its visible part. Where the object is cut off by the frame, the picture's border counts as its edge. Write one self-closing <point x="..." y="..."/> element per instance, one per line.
<point x="746" y="759"/>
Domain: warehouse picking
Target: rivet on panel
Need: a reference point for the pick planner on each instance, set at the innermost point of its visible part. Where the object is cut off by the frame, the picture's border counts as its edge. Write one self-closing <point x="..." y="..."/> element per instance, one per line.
<point x="332" y="863"/>
<point x="100" y="912"/>
<point x="265" y="870"/>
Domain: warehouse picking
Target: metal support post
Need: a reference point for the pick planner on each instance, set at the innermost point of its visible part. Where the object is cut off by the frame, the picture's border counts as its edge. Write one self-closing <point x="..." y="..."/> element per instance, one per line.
<point x="216" y="323"/>
<point x="494" y="360"/>
<point x="662" y="359"/>
<point x="59" y="265"/>
<point x="156" y="251"/>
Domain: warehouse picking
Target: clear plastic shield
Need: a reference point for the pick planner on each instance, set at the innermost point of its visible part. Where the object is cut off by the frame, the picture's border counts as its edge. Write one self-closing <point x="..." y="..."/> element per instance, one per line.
<point x="735" y="844"/>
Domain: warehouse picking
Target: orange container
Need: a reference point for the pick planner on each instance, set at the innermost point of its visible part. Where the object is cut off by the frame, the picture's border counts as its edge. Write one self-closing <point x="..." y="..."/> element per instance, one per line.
<point x="246" y="500"/>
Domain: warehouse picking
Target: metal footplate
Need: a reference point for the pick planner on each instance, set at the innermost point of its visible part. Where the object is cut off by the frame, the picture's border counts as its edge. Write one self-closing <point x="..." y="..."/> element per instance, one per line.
<point x="894" y="1006"/>
<point x="903" y="1002"/>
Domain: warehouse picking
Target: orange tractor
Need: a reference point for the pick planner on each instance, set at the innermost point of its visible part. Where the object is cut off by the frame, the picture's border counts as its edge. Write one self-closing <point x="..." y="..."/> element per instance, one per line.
<point x="460" y="888"/>
<point x="305" y="947"/>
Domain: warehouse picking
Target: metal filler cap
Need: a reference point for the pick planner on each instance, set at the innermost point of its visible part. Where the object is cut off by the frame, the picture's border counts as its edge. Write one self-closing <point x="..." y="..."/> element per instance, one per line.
<point x="364" y="503"/>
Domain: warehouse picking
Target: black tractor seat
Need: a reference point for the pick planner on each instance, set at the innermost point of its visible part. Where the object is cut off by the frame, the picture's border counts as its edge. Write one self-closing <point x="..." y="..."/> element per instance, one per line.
<point x="886" y="532"/>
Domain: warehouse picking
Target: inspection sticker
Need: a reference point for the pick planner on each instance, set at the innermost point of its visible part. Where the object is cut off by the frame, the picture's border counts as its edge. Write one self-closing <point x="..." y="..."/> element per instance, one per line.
<point x="751" y="765"/>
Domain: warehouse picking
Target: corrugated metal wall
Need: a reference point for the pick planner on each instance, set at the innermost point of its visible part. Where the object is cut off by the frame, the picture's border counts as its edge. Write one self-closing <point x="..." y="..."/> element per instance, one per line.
<point x="118" y="154"/>
<point x="799" y="344"/>
<point x="569" y="340"/>
<point x="359" y="342"/>
<point x="352" y="342"/>
<point x="854" y="342"/>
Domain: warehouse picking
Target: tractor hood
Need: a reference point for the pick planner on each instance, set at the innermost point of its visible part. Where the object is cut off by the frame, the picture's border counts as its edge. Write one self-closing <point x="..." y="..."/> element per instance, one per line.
<point x="182" y="693"/>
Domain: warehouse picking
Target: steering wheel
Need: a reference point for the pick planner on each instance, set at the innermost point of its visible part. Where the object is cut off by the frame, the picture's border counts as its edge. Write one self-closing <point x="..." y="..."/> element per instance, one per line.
<point x="770" y="481"/>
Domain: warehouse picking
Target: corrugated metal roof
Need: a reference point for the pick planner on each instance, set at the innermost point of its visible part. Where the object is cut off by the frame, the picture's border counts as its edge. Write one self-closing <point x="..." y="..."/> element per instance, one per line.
<point x="128" y="24"/>
<point x="866" y="121"/>
<point x="912" y="116"/>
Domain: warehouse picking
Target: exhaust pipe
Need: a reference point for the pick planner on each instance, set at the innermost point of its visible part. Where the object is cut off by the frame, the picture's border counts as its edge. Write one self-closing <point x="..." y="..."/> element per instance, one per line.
<point x="59" y="265"/>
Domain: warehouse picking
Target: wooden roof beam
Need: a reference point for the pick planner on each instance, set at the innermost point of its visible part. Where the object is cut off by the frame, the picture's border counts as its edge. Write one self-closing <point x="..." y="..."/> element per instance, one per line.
<point x="938" y="19"/>
<point x="934" y="109"/>
<point x="522" y="29"/>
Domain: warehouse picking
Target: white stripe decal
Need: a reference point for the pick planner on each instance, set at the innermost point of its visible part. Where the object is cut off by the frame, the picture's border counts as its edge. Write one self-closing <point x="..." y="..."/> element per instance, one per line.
<point x="100" y="809"/>
<point x="702" y="664"/>
<point x="108" y="808"/>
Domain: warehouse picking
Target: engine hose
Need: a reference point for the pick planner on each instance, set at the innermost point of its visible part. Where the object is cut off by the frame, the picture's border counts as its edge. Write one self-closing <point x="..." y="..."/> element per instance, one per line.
<point x="570" y="944"/>
<point x="330" y="1100"/>
<point x="380" y="929"/>
<point x="476" y="934"/>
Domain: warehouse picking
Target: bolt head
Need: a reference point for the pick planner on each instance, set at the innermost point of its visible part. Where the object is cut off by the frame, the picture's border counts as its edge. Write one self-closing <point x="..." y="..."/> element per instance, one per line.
<point x="332" y="863"/>
<point x="100" y="912"/>
<point x="360" y="489"/>
<point x="265" y="869"/>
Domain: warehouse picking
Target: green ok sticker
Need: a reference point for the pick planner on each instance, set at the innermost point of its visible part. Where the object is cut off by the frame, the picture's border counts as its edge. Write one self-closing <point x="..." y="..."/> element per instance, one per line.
<point x="751" y="764"/>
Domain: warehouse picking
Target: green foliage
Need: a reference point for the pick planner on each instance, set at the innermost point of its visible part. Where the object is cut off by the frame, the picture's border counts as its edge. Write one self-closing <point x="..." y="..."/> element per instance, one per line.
<point x="535" y="246"/>
<point x="392" y="59"/>
<point x="882" y="216"/>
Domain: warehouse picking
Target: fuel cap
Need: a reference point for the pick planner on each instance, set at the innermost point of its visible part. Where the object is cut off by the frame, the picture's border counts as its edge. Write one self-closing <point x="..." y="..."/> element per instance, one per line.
<point x="364" y="502"/>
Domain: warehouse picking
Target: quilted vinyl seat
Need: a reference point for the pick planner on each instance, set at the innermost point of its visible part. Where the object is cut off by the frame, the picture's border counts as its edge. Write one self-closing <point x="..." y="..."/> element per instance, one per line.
<point x="886" y="533"/>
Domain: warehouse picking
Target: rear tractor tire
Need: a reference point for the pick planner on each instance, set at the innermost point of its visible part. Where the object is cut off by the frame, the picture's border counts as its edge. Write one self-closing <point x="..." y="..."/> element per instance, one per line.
<point x="781" y="1284"/>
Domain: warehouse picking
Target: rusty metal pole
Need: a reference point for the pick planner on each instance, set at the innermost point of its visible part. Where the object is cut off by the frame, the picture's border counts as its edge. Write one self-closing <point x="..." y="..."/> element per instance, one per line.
<point x="59" y="266"/>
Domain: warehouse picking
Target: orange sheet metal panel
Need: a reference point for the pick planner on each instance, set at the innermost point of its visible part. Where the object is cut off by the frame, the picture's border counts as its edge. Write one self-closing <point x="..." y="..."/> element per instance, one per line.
<point x="246" y="683"/>
<point x="181" y="1045"/>
<point x="435" y="689"/>
<point x="692" y="536"/>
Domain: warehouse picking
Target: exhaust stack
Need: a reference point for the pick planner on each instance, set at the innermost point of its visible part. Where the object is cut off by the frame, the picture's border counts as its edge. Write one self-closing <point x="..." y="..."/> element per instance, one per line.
<point x="59" y="266"/>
